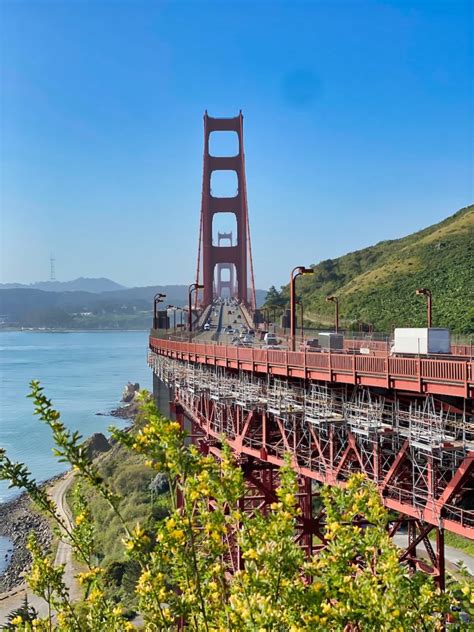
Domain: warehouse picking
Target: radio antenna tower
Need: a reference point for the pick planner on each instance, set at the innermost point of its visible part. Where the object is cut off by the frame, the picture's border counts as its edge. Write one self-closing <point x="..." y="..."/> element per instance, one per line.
<point x="52" y="273"/>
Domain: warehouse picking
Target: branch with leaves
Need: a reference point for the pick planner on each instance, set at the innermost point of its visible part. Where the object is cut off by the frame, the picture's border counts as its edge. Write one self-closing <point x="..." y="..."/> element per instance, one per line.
<point x="188" y="571"/>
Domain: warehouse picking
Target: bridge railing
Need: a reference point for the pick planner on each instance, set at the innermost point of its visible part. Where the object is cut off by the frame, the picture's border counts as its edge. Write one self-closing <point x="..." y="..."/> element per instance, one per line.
<point x="457" y="372"/>
<point x="464" y="516"/>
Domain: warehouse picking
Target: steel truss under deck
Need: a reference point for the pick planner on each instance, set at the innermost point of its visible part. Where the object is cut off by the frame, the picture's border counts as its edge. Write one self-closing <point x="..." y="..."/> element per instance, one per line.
<point x="418" y="451"/>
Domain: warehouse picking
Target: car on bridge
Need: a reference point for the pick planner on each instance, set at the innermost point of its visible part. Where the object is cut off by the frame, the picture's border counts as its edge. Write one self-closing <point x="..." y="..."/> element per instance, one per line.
<point x="312" y="344"/>
<point x="270" y="340"/>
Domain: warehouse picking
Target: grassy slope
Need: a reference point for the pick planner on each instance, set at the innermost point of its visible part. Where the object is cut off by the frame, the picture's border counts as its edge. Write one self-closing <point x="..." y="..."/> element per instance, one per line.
<point x="377" y="284"/>
<point x="128" y="476"/>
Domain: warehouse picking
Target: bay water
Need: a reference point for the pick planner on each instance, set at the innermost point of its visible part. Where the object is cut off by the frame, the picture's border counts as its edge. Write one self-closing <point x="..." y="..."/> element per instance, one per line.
<point x="6" y="548"/>
<point x="82" y="372"/>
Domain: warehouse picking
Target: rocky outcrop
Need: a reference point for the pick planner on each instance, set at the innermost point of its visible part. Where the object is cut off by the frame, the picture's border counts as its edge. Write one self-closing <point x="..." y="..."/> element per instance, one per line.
<point x="96" y="444"/>
<point x="160" y="484"/>
<point x="131" y="404"/>
<point x="130" y="391"/>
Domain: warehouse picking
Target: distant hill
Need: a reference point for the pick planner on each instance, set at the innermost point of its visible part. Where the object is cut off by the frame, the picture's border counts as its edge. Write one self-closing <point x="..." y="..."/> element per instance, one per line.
<point x="377" y="285"/>
<point x="81" y="284"/>
<point x="27" y="306"/>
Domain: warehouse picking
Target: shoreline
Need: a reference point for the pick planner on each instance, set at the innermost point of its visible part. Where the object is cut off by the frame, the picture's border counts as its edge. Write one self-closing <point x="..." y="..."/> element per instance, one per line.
<point x="18" y="519"/>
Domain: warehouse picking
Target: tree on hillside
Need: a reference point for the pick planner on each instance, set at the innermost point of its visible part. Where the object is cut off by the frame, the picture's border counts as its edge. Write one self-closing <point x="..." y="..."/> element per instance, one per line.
<point x="274" y="298"/>
<point x="187" y="572"/>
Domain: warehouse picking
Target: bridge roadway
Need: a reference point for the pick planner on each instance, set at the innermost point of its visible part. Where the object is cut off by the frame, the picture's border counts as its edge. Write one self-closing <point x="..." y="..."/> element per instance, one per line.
<point x="222" y="315"/>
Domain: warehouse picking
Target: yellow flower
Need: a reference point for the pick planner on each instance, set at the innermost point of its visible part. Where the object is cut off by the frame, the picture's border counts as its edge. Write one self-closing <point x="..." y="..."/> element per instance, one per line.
<point x="94" y="595"/>
<point x="88" y="576"/>
<point x="178" y="534"/>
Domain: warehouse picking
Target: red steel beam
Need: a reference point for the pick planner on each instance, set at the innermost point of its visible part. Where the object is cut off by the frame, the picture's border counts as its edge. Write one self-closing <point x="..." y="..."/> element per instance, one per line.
<point x="433" y="512"/>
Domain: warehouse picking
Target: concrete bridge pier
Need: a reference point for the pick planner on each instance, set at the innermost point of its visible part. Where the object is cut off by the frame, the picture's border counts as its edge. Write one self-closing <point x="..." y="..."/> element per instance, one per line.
<point x="163" y="396"/>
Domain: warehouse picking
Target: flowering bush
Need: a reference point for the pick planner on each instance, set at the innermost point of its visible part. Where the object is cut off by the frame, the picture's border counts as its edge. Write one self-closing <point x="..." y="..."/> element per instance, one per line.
<point x="210" y="565"/>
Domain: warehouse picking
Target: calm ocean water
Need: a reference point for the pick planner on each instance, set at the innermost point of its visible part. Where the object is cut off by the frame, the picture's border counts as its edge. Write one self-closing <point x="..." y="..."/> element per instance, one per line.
<point x="83" y="373"/>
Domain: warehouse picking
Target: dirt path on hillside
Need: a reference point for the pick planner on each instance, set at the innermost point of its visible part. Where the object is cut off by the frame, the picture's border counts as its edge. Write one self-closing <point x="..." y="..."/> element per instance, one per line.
<point x="14" y="598"/>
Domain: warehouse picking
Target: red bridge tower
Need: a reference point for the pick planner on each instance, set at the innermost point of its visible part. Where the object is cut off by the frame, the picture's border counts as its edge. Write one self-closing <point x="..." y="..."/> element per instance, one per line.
<point x="225" y="284"/>
<point x="239" y="254"/>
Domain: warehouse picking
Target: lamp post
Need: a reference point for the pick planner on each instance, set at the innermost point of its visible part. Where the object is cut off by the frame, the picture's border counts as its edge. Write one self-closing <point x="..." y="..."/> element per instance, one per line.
<point x="423" y="291"/>
<point x="300" y="303"/>
<point x="335" y="300"/>
<point x="158" y="298"/>
<point x="296" y="272"/>
<point x="193" y="287"/>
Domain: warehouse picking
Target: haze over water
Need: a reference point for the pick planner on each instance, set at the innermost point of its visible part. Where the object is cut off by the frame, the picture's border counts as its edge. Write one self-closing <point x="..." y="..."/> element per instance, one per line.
<point x="83" y="373"/>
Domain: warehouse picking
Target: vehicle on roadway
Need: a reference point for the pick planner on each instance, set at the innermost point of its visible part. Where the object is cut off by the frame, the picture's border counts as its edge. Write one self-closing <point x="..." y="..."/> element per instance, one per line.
<point x="270" y="339"/>
<point x="207" y="327"/>
<point x="268" y="335"/>
<point x="310" y="345"/>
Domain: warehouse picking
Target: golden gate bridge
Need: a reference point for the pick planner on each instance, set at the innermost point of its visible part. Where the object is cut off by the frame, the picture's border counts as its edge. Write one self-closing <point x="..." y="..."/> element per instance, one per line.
<point x="406" y="421"/>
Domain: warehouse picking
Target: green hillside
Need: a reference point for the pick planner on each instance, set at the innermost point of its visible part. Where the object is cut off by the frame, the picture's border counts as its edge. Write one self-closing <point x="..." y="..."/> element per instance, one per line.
<point x="377" y="285"/>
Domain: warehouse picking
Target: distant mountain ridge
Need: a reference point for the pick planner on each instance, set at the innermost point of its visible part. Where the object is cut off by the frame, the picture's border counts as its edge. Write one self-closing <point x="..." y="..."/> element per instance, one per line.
<point x="81" y="284"/>
<point x="124" y="308"/>
<point x="376" y="285"/>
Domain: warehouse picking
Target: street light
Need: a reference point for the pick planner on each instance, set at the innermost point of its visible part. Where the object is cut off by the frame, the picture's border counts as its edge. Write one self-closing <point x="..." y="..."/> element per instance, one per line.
<point x="158" y="298"/>
<point x="423" y="291"/>
<point x="296" y="272"/>
<point x="191" y="289"/>
<point x="335" y="300"/>
<point x="300" y="303"/>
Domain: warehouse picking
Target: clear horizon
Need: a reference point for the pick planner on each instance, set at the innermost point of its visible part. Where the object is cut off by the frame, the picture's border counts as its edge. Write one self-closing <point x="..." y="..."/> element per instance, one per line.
<point x="358" y="128"/>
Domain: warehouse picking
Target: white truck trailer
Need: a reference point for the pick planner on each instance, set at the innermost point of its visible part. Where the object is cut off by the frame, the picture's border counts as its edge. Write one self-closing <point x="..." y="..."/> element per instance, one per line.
<point x="421" y="340"/>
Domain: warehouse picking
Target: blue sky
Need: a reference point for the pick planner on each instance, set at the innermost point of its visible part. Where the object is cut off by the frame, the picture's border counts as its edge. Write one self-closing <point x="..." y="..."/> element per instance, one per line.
<point x="357" y="121"/>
